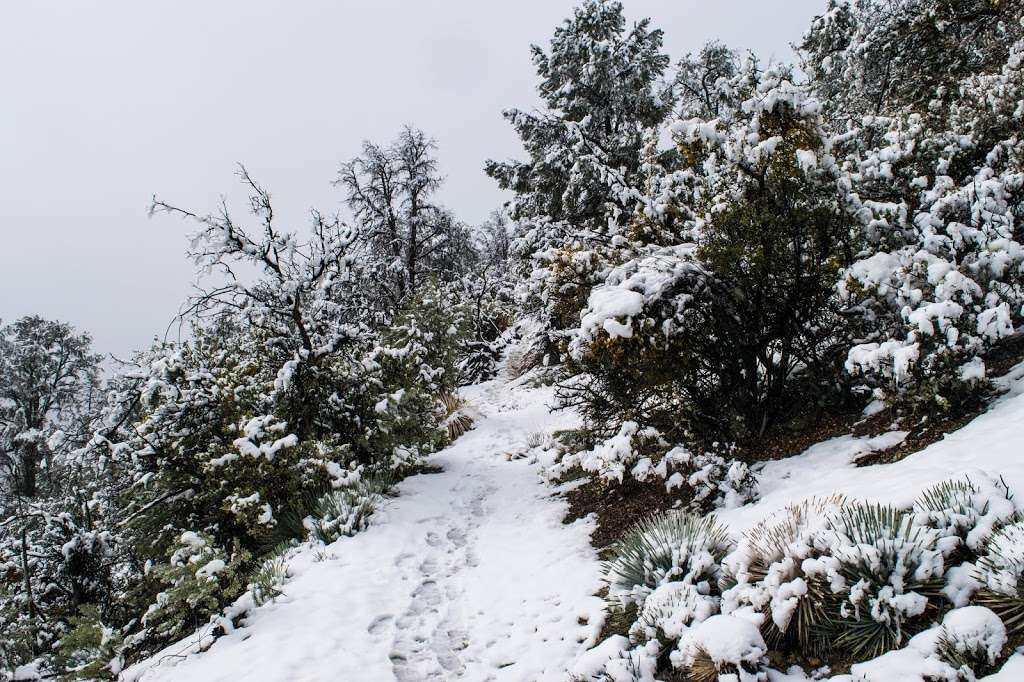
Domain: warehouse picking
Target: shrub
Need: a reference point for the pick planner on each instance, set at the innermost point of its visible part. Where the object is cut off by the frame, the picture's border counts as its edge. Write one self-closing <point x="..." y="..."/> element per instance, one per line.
<point x="971" y="640"/>
<point x="719" y="647"/>
<point x="198" y="581"/>
<point x="346" y="511"/>
<point x="670" y="609"/>
<point x="673" y="546"/>
<point x="781" y="570"/>
<point x="965" y="510"/>
<point x="454" y="418"/>
<point x="889" y="566"/>
<point x="89" y="650"/>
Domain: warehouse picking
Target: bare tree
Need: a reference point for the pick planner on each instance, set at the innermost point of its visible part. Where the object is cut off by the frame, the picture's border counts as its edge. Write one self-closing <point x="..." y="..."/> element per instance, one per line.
<point x="404" y="236"/>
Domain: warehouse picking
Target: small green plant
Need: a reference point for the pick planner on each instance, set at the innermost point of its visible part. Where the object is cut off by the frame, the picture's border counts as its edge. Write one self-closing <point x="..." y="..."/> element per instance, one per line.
<point x="267" y="581"/>
<point x="89" y="647"/>
<point x="346" y="511"/>
<point x="669" y="546"/>
<point x="890" y="567"/>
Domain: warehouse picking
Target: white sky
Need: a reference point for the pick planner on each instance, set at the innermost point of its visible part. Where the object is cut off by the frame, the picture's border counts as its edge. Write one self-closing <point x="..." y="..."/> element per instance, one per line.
<point x="104" y="103"/>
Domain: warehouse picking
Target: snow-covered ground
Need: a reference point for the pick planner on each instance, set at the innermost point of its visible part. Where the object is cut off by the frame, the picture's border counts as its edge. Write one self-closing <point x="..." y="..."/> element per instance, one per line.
<point x="467" y="574"/>
<point x="992" y="444"/>
<point x="470" y="574"/>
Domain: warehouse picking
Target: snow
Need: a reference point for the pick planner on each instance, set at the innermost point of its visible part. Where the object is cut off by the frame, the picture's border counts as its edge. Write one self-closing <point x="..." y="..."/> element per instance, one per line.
<point x="987" y="446"/>
<point x="469" y="574"/>
<point x="975" y="628"/>
<point x="727" y="640"/>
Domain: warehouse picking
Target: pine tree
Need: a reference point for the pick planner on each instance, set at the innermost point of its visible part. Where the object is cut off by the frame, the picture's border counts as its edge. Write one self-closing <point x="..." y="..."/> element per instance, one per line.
<point x="601" y="84"/>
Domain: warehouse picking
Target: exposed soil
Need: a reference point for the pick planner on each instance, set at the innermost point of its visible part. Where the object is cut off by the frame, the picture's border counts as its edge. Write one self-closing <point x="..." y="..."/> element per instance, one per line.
<point x="617" y="506"/>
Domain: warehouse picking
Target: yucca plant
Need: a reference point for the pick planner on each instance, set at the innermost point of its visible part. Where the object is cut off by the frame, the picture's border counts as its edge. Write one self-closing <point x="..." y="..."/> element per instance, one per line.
<point x="455" y="420"/>
<point x="891" y="568"/>
<point x="775" y="551"/>
<point x="669" y="610"/>
<point x="267" y="581"/>
<point x="952" y="507"/>
<point x="1000" y="570"/>
<point x="346" y="511"/>
<point x="971" y="640"/>
<point x="668" y="546"/>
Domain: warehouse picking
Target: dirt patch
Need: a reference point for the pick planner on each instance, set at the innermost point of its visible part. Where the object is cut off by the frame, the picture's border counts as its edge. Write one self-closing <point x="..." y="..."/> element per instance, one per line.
<point x="617" y="506"/>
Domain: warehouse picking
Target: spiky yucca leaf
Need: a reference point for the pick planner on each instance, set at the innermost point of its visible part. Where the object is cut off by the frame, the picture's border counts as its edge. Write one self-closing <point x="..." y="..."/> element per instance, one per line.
<point x="952" y="495"/>
<point x="1000" y="570"/>
<point x="673" y="545"/>
<point x="703" y="668"/>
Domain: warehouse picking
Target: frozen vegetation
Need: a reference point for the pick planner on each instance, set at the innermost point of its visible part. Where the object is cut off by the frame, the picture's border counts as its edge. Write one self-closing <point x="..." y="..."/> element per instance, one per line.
<point x="731" y="388"/>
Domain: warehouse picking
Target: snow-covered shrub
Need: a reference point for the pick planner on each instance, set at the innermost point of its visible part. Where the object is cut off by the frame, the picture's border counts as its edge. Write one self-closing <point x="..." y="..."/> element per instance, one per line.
<point x="964" y="509"/>
<point x="705" y="480"/>
<point x="670" y="609"/>
<point x="672" y="546"/>
<point x="720" y="647"/>
<point x="971" y="640"/>
<point x="629" y="451"/>
<point x="709" y="479"/>
<point x="267" y="581"/>
<point x="887" y="567"/>
<point x="455" y="420"/>
<point x="780" y="569"/>
<point x="1000" y="570"/>
<point x="347" y="510"/>
<point x="939" y="199"/>
<point x="727" y="319"/>
<point x="89" y="650"/>
<point x="198" y="581"/>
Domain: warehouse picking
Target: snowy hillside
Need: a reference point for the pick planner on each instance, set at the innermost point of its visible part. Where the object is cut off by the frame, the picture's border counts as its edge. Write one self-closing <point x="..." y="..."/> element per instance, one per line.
<point x="470" y="574"/>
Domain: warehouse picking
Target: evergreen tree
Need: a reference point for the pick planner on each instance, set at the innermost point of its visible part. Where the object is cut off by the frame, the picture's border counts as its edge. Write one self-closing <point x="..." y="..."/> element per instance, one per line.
<point x="601" y="84"/>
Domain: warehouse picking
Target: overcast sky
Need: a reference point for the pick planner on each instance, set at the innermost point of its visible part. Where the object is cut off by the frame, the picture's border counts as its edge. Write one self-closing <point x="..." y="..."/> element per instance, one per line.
<point x="105" y="103"/>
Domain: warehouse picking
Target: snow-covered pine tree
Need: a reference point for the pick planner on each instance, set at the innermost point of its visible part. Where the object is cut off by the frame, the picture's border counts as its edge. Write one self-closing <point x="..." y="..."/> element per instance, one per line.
<point x="602" y="88"/>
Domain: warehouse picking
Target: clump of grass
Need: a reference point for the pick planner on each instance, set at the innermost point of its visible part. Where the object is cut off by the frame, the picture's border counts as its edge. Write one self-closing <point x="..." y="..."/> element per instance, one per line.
<point x="456" y="421"/>
<point x="346" y="511"/>
<point x="267" y="581"/>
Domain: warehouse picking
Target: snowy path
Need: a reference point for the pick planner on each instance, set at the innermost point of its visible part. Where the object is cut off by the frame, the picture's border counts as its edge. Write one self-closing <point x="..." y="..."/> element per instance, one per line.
<point x="468" y="574"/>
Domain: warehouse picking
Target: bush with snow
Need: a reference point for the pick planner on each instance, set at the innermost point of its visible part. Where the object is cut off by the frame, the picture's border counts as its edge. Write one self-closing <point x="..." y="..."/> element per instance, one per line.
<point x="886" y="566"/>
<point x="1000" y="570"/>
<point x="781" y="570"/>
<point x="673" y="546"/>
<point x="347" y="510"/>
<point x="972" y="639"/>
<point x="671" y="609"/>
<point x="720" y="647"/>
